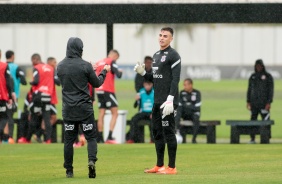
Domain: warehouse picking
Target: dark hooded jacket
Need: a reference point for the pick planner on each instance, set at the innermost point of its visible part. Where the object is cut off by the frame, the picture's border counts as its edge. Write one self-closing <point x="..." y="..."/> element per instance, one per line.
<point x="75" y="74"/>
<point x="260" y="89"/>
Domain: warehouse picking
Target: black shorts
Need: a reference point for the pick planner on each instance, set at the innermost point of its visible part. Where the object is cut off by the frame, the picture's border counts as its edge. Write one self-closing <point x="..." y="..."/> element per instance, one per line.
<point x="41" y="102"/>
<point x="3" y="109"/>
<point x="53" y="109"/>
<point x="106" y="100"/>
<point x="3" y="115"/>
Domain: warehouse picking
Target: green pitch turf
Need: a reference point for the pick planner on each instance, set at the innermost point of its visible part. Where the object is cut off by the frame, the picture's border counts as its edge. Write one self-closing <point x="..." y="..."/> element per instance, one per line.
<point x="201" y="163"/>
<point x="221" y="100"/>
<point x="123" y="164"/>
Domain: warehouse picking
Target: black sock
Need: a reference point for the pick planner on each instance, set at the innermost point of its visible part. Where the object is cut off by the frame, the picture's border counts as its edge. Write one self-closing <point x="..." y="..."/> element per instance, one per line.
<point x="172" y="147"/>
<point x="100" y="136"/>
<point x="160" y="150"/>
<point x="110" y="135"/>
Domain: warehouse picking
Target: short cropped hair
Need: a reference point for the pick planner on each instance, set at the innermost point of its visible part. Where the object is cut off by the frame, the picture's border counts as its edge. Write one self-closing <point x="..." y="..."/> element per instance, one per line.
<point x="36" y="56"/>
<point x="50" y="59"/>
<point x="9" y="54"/>
<point x="114" y="51"/>
<point x="148" y="58"/>
<point x="189" y="80"/>
<point x="147" y="81"/>
<point x="169" y="29"/>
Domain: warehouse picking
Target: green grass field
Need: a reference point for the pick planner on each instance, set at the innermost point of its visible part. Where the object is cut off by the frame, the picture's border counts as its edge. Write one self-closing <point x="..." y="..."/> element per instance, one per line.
<point x="221" y="100"/>
<point x="200" y="163"/>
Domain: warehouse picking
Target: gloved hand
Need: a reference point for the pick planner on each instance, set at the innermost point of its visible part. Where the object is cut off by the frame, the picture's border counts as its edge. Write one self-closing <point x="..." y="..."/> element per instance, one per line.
<point x="140" y="68"/>
<point x="168" y="106"/>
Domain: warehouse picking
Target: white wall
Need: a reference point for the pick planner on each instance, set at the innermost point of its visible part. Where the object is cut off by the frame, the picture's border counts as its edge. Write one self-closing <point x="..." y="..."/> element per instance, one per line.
<point x="51" y="40"/>
<point x="205" y="44"/>
<point x="198" y="44"/>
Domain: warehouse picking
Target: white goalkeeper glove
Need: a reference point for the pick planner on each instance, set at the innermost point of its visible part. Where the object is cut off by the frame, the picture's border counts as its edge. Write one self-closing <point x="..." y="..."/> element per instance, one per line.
<point x="140" y="68"/>
<point x="168" y="106"/>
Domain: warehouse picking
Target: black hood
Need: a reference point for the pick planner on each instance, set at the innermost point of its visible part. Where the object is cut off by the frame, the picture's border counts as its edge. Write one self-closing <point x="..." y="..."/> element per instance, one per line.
<point x="259" y="62"/>
<point x="74" y="47"/>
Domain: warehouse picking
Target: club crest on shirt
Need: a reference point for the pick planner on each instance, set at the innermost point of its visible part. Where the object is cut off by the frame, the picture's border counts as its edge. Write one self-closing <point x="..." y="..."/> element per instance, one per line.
<point x="193" y="97"/>
<point x="165" y="123"/>
<point x="163" y="58"/>
<point x="263" y="77"/>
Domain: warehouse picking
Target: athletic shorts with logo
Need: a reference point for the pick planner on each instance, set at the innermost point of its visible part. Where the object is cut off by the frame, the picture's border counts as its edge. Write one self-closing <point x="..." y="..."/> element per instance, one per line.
<point x="53" y="109"/>
<point x="106" y="100"/>
<point x="3" y="108"/>
<point x="40" y="102"/>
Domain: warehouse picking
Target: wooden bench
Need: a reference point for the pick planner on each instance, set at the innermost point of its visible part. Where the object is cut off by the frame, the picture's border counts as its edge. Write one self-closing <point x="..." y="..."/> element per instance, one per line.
<point x="54" y="131"/>
<point x="240" y="127"/>
<point x="140" y="135"/>
<point x="207" y="127"/>
<point x="60" y="122"/>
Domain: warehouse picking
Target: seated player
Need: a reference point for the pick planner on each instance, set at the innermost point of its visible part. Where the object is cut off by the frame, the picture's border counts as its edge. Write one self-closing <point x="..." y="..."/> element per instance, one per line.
<point x="189" y="109"/>
<point x="146" y="97"/>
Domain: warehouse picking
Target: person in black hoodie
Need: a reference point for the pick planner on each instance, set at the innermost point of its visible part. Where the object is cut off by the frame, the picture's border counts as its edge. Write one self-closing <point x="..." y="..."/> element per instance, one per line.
<point x="260" y="93"/>
<point x="75" y="74"/>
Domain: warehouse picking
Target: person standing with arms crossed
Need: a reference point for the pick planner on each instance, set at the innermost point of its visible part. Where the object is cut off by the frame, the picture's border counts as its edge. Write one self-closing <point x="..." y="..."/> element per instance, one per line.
<point x="260" y="94"/>
<point x="106" y="95"/>
<point x="75" y="74"/>
<point x="166" y="76"/>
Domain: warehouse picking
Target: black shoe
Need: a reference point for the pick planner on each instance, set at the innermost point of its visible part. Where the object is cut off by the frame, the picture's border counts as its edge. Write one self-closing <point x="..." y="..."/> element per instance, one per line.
<point x="92" y="170"/>
<point x="69" y="174"/>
